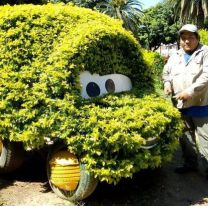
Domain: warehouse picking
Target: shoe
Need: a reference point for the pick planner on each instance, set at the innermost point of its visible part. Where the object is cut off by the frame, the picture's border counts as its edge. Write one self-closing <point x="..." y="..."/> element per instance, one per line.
<point x="185" y="169"/>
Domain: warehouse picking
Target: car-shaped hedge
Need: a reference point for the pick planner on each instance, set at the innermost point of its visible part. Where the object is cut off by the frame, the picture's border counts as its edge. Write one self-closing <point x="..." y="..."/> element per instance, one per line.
<point x="74" y="81"/>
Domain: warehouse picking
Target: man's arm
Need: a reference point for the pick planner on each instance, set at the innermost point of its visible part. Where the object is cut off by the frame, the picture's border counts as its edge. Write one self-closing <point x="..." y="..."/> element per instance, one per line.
<point x="167" y="78"/>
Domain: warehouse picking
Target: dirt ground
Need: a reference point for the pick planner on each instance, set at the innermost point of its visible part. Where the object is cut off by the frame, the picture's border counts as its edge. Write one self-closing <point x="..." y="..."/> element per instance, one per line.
<point x="160" y="187"/>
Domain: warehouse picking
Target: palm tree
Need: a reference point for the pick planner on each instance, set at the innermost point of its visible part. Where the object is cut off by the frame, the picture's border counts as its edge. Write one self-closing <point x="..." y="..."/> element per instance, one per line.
<point x="128" y="11"/>
<point x="192" y="11"/>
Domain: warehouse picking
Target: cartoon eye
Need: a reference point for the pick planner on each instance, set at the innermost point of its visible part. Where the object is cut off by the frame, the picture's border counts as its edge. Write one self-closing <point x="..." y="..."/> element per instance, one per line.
<point x="94" y="85"/>
<point x="110" y="86"/>
<point x="93" y="90"/>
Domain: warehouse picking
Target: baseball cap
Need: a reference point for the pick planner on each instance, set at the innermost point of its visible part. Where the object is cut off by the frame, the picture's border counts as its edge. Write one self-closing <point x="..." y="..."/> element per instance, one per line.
<point x="188" y="27"/>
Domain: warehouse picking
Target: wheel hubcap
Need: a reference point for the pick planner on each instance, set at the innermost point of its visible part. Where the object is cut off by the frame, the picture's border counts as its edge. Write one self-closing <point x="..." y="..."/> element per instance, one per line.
<point x="64" y="170"/>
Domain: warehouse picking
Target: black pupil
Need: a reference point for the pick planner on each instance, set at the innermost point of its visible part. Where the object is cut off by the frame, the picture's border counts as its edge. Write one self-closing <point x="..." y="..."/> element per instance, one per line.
<point x="93" y="90"/>
<point x="110" y="86"/>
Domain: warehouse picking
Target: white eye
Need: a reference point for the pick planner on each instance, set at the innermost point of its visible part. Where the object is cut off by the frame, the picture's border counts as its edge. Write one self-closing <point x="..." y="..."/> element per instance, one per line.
<point x="94" y="85"/>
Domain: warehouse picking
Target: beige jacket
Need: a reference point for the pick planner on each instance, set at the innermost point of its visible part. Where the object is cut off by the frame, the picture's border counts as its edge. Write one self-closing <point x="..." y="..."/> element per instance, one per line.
<point x="191" y="77"/>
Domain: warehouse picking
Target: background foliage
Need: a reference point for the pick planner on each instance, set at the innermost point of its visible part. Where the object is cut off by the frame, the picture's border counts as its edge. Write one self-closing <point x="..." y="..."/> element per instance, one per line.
<point x="156" y="62"/>
<point x="203" y="36"/>
<point x="158" y="25"/>
<point x="191" y="11"/>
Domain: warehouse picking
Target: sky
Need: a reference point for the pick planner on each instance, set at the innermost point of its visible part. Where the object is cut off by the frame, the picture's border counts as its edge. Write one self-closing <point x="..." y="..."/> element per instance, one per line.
<point x="147" y="3"/>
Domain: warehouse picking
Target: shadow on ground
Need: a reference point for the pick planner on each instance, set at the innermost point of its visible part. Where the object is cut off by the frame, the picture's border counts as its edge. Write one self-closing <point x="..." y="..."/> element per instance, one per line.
<point x="32" y="170"/>
<point x="160" y="187"/>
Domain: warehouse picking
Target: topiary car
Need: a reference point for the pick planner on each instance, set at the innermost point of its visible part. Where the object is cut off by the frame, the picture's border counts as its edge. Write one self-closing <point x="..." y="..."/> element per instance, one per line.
<point x="75" y="82"/>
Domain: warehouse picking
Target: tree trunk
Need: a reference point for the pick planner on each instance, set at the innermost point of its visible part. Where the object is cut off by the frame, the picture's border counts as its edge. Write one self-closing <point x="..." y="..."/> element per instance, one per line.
<point x="118" y="13"/>
<point x="200" y="18"/>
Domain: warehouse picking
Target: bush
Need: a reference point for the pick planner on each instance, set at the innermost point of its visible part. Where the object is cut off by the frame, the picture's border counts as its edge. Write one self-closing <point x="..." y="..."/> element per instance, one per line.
<point x="156" y="63"/>
<point x="117" y="127"/>
<point x="203" y="36"/>
<point x="43" y="51"/>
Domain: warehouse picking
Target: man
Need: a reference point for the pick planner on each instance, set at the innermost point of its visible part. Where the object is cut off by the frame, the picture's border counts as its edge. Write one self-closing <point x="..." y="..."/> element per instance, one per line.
<point x="185" y="77"/>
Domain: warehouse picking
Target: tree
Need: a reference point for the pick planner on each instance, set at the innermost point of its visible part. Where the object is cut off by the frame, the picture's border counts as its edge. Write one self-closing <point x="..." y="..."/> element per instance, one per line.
<point x="129" y="11"/>
<point x="191" y="11"/>
<point x="158" y="25"/>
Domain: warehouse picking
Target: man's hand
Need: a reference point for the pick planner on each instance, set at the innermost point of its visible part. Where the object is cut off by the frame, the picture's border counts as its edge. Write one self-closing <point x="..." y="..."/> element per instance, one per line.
<point x="183" y="96"/>
<point x="168" y="90"/>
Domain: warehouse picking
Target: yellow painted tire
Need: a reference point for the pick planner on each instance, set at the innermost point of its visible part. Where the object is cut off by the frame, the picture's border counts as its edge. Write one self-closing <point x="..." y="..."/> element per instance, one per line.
<point x="71" y="182"/>
<point x="11" y="156"/>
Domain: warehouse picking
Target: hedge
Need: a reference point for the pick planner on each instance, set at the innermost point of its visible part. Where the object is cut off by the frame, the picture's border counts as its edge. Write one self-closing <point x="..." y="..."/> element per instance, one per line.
<point x="156" y="63"/>
<point x="203" y="36"/>
<point x="43" y="50"/>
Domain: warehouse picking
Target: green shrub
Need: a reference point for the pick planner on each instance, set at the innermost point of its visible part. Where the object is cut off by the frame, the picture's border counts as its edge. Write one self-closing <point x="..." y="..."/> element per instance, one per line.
<point x="43" y="50"/>
<point x="203" y="36"/>
<point x="156" y="63"/>
<point x="117" y="126"/>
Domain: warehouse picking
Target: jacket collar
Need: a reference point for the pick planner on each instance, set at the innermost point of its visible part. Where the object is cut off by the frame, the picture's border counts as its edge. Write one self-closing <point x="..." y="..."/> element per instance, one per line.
<point x="181" y="53"/>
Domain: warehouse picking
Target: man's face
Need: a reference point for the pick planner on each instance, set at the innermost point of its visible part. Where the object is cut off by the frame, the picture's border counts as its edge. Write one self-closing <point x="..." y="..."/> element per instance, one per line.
<point x="188" y="41"/>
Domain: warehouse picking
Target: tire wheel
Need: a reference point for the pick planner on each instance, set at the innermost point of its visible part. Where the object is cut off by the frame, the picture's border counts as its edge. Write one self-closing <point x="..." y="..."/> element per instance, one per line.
<point x="11" y="156"/>
<point x="150" y="143"/>
<point x="83" y="183"/>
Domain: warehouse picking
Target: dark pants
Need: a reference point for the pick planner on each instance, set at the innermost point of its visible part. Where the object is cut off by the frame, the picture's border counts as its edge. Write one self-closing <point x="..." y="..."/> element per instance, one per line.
<point x="194" y="142"/>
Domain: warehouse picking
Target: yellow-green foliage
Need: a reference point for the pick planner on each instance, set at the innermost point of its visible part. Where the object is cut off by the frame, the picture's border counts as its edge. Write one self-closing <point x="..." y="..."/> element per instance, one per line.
<point x="156" y="63"/>
<point x="113" y="128"/>
<point x="43" y="50"/>
<point x="203" y="36"/>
